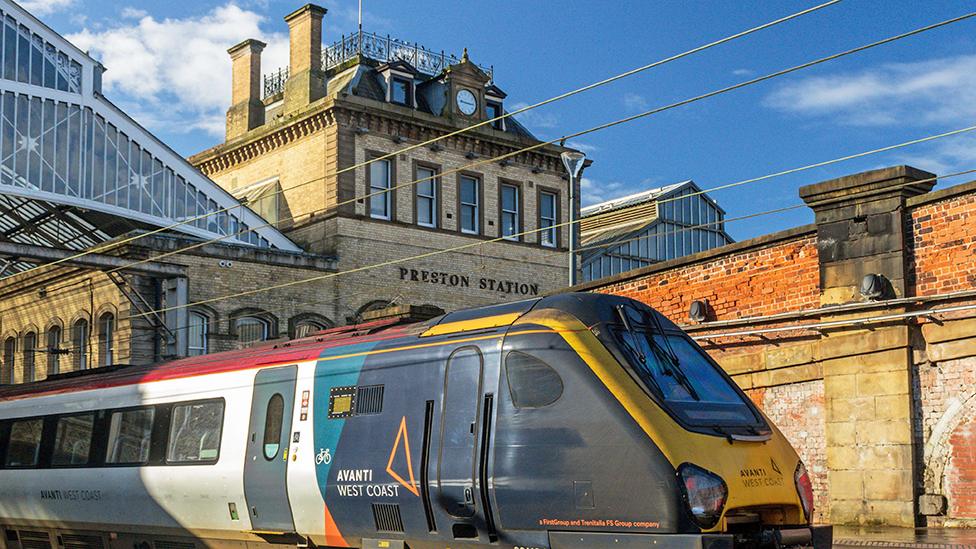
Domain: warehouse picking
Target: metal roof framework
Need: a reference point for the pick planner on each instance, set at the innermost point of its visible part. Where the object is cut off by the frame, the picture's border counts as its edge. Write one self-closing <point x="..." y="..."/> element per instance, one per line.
<point x="76" y="171"/>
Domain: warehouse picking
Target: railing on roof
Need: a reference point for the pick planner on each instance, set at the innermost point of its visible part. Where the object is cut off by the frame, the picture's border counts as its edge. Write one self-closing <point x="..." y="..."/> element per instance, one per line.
<point x="378" y="48"/>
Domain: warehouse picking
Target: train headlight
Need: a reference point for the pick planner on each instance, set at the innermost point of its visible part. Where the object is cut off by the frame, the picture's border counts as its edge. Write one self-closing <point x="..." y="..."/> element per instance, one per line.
<point x="804" y="487"/>
<point x="704" y="493"/>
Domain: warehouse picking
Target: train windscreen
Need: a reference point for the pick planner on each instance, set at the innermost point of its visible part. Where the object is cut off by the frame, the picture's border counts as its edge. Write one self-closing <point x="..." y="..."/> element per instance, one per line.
<point x="682" y="377"/>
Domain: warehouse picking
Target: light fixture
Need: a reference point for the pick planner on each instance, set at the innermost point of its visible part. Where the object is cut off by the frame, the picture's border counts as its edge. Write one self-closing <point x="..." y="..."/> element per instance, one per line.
<point x="505" y="163"/>
<point x="536" y="170"/>
<point x="698" y="312"/>
<point x="398" y="139"/>
<point x="874" y="286"/>
<point x="436" y="147"/>
<point x="361" y="130"/>
<point x="573" y="162"/>
<point x="471" y="155"/>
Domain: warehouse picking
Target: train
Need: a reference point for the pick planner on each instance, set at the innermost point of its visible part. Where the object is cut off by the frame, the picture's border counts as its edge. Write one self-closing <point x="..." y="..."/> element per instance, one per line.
<point x="565" y="421"/>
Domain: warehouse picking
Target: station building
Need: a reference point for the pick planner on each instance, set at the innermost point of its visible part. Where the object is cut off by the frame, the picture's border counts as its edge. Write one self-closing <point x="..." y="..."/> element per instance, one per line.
<point x="177" y="248"/>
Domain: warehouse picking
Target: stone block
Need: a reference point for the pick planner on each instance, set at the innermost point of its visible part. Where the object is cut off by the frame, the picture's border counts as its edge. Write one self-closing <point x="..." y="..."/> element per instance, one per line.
<point x="795" y="374"/>
<point x="864" y="341"/>
<point x="884" y="457"/>
<point x="843" y="386"/>
<point x="841" y="433"/>
<point x="842" y="458"/>
<point x="893" y="407"/>
<point x="882" y="361"/>
<point x="890" y="485"/>
<point x="846" y="485"/>
<point x="949" y="330"/>
<point x="852" y="408"/>
<point x="884" y="431"/>
<point x="951" y="350"/>
<point x="739" y="363"/>
<point x="883" y="383"/>
<point x="791" y="355"/>
<point x="838" y="296"/>
<point x="888" y="513"/>
<point x="931" y="504"/>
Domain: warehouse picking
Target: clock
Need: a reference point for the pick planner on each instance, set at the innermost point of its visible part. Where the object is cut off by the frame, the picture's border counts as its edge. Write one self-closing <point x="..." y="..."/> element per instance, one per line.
<point x="466" y="102"/>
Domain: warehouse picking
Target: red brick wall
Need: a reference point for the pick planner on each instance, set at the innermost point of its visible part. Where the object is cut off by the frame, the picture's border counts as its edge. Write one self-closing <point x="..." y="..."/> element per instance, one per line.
<point x="780" y="277"/>
<point x="961" y="472"/>
<point x="944" y="241"/>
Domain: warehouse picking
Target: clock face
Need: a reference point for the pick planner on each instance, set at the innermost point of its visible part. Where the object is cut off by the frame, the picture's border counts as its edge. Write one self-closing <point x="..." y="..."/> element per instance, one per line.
<point x="466" y="102"/>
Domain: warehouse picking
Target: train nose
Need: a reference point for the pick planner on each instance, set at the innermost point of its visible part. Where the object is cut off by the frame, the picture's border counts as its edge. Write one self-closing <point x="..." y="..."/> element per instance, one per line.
<point x="704" y="493"/>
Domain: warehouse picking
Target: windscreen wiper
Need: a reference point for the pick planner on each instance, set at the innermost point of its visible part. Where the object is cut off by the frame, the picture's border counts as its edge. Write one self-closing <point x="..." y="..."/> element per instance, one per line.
<point x="633" y="335"/>
<point x="674" y="367"/>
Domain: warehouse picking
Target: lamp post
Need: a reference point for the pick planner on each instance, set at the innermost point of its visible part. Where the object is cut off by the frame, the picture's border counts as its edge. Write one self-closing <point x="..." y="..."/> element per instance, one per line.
<point x="573" y="161"/>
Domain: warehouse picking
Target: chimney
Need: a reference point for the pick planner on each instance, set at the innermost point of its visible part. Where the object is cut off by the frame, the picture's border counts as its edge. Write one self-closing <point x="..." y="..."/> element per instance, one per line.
<point x="306" y="79"/>
<point x="246" y="110"/>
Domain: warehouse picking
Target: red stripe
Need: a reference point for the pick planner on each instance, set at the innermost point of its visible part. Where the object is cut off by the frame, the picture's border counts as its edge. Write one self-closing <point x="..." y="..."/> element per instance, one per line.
<point x="299" y="350"/>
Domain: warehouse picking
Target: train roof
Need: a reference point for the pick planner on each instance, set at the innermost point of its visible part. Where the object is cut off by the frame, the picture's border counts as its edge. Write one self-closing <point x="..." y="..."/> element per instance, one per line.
<point x="581" y="305"/>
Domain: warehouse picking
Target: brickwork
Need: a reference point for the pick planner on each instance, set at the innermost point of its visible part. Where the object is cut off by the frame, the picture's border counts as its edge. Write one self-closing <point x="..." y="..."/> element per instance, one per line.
<point x="798" y="410"/>
<point x="761" y="279"/>
<point x="944" y="242"/>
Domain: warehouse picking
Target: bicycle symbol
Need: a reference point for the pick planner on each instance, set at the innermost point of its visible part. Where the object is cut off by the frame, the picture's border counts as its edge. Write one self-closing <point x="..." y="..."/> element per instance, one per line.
<point x="324" y="456"/>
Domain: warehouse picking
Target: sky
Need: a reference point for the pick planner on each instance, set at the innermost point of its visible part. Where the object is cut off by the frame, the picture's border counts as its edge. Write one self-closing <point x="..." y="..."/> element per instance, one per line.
<point x="167" y="66"/>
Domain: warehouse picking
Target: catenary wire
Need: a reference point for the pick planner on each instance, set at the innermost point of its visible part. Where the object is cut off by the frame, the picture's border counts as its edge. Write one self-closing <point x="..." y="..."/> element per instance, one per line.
<point x="150" y="336"/>
<point x="592" y="130"/>
<point x="710" y="94"/>
<point x="114" y="244"/>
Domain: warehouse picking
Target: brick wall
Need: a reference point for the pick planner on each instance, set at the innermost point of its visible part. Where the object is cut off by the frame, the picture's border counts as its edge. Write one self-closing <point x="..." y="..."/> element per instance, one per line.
<point x="747" y="279"/>
<point x="944" y="241"/>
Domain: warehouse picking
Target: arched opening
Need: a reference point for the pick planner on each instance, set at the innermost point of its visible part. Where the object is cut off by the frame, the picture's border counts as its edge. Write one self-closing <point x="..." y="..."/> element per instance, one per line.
<point x="252" y="329"/>
<point x="54" y="351"/>
<point x="306" y="324"/>
<point x="106" y="339"/>
<point x="198" y="334"/>
<point x="79" y="344"/>
<point x="29" y="347"/>
<point x="9" y="348"/>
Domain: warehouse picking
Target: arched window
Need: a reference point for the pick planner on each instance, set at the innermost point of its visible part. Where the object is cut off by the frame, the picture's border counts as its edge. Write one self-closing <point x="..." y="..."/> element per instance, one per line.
<point x="79" y="344"/>
<point x="199" y="326"/>
<point x="250" y="329"/>
<point x="106" y="339"/>
<point x="30" y="346"/>
<point x="9" y="348"/>
<point x="54" y="350"/>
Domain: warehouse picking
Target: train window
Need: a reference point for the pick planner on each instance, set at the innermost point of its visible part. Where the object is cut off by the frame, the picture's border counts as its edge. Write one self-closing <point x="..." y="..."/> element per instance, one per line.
<point x="531" y="382"/>
<point x="272" y="426"/>
<point x="194" y="432"/>
<point x="72" y="440"/>
<point x="129" y="434"/>
<point x="25" y="443"/>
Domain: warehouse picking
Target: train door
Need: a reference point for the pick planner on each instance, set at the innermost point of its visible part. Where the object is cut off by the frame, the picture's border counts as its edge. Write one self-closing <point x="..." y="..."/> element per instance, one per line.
<point x="266" y="467"/>
<point x="457" y="463"/>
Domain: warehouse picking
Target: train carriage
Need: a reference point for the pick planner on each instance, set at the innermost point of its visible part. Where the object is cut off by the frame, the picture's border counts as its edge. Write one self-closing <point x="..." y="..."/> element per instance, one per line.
<point x="577" y="420"/>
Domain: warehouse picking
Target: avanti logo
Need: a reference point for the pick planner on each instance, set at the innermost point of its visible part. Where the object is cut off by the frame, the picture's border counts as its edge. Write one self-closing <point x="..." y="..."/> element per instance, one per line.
<point x="772" y="463"/>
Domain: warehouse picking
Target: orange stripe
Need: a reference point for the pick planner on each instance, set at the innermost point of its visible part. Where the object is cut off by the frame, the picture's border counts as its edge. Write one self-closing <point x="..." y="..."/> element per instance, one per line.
<point x="332" y="535"/>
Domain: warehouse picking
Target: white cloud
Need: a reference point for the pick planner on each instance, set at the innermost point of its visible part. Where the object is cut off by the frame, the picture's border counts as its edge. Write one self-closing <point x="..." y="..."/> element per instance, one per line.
<point x="174" y="74"/>
<point x="129" y="12"/>
<point x="636" y="102"/>
<point x="926" y="92"/>
<point x="743" y="72"/>
<point x="594" y="191"/>
<point x="535" y="119"/>
<point x="45" y="7"/>
<point x="945" y="156"/>
<point x="585" y="148"/>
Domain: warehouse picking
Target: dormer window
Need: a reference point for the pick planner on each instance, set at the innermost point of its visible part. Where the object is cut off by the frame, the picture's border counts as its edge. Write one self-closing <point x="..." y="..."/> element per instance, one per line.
<point x="401" y="91"/>
<point x="493" y="109"/>
<point x="493" y="106"/>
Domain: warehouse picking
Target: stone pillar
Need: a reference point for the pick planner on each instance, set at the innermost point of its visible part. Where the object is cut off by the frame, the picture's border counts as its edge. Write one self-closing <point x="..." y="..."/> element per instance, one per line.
<point x="246" y="111"/>
<point x="306" y="79"/>
<point x="867" y="370"/>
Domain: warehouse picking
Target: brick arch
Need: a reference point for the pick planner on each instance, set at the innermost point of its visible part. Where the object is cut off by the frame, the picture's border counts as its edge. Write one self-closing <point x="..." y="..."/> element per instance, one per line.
<point x="938" y="451"/>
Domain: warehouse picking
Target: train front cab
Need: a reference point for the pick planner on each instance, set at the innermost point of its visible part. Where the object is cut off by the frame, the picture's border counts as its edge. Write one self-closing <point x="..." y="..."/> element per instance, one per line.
<point x="613" y="435"/>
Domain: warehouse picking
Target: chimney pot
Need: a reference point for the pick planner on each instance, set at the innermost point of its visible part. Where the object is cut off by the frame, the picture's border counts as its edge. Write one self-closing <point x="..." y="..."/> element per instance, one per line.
<point x="306" y="79"/>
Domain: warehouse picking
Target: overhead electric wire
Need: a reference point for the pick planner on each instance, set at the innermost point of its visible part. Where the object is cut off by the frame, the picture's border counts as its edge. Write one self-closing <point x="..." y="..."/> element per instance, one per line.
<point x="683" y="229"/>
<point x="609" y="125"/>
<point x="504" y="115"/>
